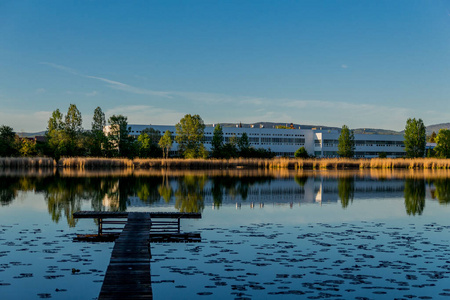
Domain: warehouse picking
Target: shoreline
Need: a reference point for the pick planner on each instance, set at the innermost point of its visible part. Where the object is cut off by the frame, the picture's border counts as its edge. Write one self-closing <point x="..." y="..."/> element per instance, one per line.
<point x="95" y="163"/>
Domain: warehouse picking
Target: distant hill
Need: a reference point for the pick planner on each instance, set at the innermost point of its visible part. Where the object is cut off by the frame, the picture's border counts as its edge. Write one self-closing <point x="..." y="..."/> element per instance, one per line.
<point x="375" y="131"/>
<point x="274" y="124"/>
<point x="429" y="128"/>
<point x="30" y="134"/>
<point x="303" y="126"/>
<point x="436" y="127"/>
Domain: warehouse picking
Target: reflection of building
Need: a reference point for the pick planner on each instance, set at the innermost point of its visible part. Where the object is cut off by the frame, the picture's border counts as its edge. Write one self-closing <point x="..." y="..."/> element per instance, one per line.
<point x="284" y="142"/>
<point x="287" y="191"/>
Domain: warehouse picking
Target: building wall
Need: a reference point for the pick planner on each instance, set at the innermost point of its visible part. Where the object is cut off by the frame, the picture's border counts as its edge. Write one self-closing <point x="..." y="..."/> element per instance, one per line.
<point x="284" y="142"/>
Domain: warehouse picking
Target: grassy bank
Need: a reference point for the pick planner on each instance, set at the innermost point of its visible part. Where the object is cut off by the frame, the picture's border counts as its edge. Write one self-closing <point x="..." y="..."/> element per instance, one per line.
<point x="83" y="163"/>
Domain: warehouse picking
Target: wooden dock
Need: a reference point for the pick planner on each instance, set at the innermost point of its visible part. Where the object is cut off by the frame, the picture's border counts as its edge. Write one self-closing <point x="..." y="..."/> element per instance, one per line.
<point x="128" y="274"/>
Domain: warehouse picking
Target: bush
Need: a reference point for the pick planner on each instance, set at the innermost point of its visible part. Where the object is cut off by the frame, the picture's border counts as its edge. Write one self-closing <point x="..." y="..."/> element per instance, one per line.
<point x="301" y="153"/>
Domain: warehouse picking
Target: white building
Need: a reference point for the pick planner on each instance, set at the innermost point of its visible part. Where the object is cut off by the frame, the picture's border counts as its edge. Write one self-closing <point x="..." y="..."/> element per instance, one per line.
<point x="284" y="142"/>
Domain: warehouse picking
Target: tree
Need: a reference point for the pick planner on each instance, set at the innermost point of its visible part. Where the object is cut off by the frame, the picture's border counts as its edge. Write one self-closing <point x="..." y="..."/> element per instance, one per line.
<point x="217" y="142"/>
<point x="433" y="137"/>
<point x="190" y="132"/>
<point x="148" y="143"/>
<point x="243" y="145"/>
<point x="301" y="153"/>
<point x="7" y="141"/>
<point x="98" y="121"/>
<point x="442" y="148"/>
<point x="73" y="122"/>
<point x="346" y="145"/>
<point x="55" y="135"/>
<point x="119" y="136"/>
<point x="73" y="130"/>
<point x="415" y="138"/>
<point x="97" y="139"/>
<point x="27" y="147"/>
<point x="166" y="143"/>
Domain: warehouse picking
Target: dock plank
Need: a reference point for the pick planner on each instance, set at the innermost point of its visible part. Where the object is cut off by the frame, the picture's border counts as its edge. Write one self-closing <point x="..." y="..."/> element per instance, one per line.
<point x="128" y="273"/>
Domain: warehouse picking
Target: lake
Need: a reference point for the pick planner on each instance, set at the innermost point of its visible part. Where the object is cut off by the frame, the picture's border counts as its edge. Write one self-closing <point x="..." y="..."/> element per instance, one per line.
<point x="264" y="234"/>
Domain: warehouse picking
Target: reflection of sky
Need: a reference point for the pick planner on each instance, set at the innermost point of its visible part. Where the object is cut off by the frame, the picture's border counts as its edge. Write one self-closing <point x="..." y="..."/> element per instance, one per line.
<point x="29" y="212"/>
<point x="384" y="210"/>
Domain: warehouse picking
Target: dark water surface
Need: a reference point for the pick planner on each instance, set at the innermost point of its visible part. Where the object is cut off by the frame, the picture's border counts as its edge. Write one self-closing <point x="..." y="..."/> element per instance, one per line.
<point x="304" y="235"/>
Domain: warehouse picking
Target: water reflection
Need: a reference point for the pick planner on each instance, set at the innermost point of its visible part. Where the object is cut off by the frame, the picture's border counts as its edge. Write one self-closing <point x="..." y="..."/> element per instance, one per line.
<point x="346" y="190"/>
<point x="414" y="196"/>
<point x="442" y="191"/>
<point x="189" y="191"/>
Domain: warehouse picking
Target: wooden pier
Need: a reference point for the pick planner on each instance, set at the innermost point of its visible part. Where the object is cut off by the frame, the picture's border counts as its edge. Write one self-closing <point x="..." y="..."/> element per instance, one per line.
<point x="128" y="274"/>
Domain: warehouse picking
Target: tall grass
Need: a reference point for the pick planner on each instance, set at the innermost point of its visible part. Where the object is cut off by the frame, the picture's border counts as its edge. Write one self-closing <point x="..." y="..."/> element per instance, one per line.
<point x="26" y="162"/>
<point x="93" y="163"/>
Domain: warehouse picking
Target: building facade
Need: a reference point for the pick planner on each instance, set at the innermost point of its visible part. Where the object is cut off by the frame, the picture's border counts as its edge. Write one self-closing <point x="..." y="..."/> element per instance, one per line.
<point x="284" y="142"/>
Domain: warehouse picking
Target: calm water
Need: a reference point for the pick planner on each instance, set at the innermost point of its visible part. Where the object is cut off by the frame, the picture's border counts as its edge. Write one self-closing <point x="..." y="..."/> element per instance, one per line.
<point x="311" y="235"/>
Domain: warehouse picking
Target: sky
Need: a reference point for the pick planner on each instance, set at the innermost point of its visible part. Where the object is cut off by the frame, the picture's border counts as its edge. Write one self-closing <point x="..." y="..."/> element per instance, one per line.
<point x="365" y="64"/>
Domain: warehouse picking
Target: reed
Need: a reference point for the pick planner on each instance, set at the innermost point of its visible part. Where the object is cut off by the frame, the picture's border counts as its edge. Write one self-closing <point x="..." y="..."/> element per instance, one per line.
<point x="26" y="162"/>
<point x="99" y="163"/>
<point x="94" y="163"/>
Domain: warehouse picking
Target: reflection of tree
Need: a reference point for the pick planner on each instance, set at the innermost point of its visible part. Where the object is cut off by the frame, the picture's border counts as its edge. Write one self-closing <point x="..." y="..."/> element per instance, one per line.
<point x="165" y="190"/>
<point x="442" y="192"/>
<point x="147" y="189"/>
<point x="64" y="197"/>
<point x="301" y="180"/>
<point x="233" y="186"/>
<point x="8" y="190"/>
<point x="346" y="190"/>
<point x="414" y="196"/>
<point x="189" y="194"/>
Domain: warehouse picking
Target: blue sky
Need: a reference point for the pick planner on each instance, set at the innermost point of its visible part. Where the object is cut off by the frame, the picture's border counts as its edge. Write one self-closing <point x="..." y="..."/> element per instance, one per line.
<point x="366" y="64"/>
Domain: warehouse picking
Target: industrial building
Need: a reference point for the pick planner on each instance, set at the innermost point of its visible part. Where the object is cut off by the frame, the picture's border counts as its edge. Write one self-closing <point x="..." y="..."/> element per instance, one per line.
<point x="284" y="142"/>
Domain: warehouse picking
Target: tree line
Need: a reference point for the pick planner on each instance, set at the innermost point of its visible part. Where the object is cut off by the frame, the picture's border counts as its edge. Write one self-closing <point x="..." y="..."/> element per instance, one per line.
<point x="66" y="137"/>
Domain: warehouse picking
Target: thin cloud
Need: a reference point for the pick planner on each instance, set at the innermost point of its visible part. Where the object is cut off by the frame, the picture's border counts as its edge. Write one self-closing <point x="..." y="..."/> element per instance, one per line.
<point x="111" y="83"/>
<point x="92" y="94"/>
<point x="146" y="114"/>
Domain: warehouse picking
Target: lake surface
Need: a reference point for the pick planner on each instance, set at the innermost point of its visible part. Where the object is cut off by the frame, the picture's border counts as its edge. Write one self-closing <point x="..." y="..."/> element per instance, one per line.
<point x="376" y="234"/>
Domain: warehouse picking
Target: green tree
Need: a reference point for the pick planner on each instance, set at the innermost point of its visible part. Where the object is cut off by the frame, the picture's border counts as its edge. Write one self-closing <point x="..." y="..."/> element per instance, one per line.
<point x="148" y="143"/>
<point x="190" y="132"/>
<point x="73" y="122"/>
<point x="7" y="141"/>
<point x="98" y="120"/>
<point x="229" y="150"/>
<point x="217" y="142"/>
<point x="382" y="154"/>
<point x="56" y="140"/>
<point x="442" y="148"/>
<point x="73" y="129"/>
<point x="97" y="139"/>
<point x="433" y="137"/>
<point x="166" y="143"/>
<point x="119" y="137"/>
<point x="346" y="145"/>
<point x="415" y="138"/>
<point x="27" y="147"/>
<point x="301" y="153"/>
<point x="243" y="144"/>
